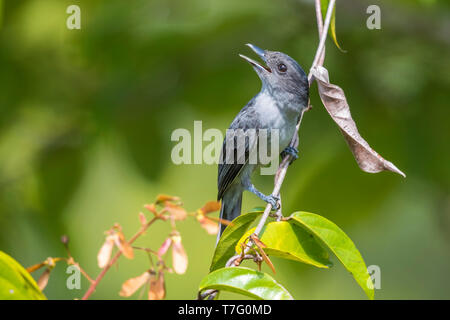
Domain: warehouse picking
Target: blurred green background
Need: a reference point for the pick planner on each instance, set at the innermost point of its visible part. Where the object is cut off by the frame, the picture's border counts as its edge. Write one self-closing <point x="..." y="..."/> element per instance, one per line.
<point x="86" y="119"/>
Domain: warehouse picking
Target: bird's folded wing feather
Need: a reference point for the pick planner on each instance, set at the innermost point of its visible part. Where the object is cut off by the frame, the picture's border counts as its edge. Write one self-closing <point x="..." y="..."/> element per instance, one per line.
<point x="246" y="119"/>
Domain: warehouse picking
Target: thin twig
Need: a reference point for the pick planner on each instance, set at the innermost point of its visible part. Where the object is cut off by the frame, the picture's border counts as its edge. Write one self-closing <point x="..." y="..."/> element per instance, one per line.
<point x="320" y="27"/>
<point x="323" y="37"/>
<point x="114" y="259"/>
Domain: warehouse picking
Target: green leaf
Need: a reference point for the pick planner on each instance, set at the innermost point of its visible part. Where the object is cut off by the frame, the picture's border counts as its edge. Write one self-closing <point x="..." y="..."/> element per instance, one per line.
<point x="230" y="237"/>
<point x="289" y="241"/>
<point x="246" y="281"/>
<point x="341" y="245"/>
<point x="15" y="282"/>
<point x="324" y="7"/>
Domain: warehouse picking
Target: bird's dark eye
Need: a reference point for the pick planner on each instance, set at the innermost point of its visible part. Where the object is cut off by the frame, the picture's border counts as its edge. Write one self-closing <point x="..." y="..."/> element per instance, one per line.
<point x="282" y="67"/>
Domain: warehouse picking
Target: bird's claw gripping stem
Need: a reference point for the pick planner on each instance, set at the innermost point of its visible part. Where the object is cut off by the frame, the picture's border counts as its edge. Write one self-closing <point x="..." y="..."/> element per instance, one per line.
<point x="273" y="200"/>
<point x="290" y="151"/>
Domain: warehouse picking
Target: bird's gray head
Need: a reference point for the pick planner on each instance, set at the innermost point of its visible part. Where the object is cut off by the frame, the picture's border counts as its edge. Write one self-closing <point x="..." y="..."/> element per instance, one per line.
<point x="282" y="76"/>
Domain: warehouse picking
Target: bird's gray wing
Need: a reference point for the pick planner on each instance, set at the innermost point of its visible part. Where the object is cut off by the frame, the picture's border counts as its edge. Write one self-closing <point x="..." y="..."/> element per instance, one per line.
<point x="245" y="120"/>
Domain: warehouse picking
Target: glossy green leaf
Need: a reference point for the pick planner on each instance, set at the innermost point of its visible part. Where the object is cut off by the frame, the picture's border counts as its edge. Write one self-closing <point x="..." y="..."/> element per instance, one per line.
<point x="341" y="245"/>
<point x="230" y="237"/>
<point x="15" y="282"/>
<point x="246" y="281"/>
<point x="324" y="7"/>
<point x="289" y="241"/>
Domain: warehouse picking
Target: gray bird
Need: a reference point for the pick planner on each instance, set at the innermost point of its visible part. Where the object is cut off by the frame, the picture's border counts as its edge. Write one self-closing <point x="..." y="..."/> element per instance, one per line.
<point x="284" y="93"/>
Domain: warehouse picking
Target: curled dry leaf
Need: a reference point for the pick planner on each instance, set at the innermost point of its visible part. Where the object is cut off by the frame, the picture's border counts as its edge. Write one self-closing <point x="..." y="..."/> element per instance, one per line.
<point x="179" y="256"/>
<point x="210" y="226"/>
<point x="131" y="285"/>
<point x="124" y="246"/>
<point x="157" y="290"/>
<point x="104" y="254"/>
<point x="333" y="98"/>
<point x="177" y="212"/>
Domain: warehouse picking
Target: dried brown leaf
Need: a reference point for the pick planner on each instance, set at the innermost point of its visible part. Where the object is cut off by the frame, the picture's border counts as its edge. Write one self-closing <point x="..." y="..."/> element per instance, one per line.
<point x="131" y="285"/>
<point x="179" y="256"/>
<point x="333" y="98"/>
<point x="124" y="246"/>
<point x="157" y="290"/>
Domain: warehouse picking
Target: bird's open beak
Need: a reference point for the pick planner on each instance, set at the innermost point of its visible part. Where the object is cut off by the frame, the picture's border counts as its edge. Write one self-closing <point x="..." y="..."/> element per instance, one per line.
<point x="261" y="53"/>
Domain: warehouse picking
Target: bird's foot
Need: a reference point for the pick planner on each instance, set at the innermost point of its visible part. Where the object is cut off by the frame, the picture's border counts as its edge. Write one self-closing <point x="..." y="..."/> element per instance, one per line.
<point x="293" y="152"/>
<point x="273" y="200"/>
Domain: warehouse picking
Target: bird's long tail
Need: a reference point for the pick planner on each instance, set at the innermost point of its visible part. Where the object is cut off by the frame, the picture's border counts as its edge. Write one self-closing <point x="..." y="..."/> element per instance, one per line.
<point x="231" y="207"/>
